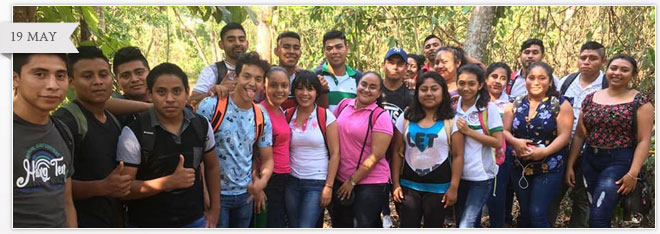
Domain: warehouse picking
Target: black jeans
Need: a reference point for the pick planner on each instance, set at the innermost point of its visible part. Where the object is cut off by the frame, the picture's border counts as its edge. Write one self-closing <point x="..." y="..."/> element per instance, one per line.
<point x="365" y="210"/>
<point x="276" y="217"/>
<point x="418" y="204"/>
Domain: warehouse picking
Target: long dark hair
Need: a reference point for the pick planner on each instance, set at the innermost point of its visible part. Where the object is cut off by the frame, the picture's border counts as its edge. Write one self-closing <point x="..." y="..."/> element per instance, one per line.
<point x="626" y="57"/>
<point x="381" y="97"/>
<point x="484" y="96"/>
<point x="415" y="111"/>
<point x="552" y="90"/>
<point x="494" y="66"/>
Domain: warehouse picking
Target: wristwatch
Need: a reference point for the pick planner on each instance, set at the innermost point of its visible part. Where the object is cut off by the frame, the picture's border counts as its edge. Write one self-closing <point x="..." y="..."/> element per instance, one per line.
<point x="350" y="180"/>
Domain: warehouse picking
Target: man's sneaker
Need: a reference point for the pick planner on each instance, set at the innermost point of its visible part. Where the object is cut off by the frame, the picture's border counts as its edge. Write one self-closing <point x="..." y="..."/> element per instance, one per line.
<point x="387" y="221"/>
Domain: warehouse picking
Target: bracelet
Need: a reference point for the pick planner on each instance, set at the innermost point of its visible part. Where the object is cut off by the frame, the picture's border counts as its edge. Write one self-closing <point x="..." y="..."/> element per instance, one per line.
<point x="628" y="174"/>
<point x="329" y="186"/>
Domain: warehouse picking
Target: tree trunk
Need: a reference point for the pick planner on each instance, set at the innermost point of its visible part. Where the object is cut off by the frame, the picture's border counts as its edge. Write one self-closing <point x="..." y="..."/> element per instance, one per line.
<point x="479" y="30"/>
<point x="264" y="37"/>
<point x="99" y="13"/>
<point x="190" y="32"/>
<point x="25" y="14"/>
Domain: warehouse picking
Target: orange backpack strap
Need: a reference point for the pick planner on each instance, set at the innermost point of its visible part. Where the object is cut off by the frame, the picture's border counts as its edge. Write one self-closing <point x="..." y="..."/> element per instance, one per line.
<point x="219" y="115"/>
<point x="322" y="116"/>
<point x="258" y="121"/>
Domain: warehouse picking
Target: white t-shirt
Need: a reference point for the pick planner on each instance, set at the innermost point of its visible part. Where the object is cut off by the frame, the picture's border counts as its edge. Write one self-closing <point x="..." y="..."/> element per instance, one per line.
<point x="479" y="164"/>
<point x="308" y="155"/>
<point x="578" y="94"/>
<point x="209" y="76"/>
<point x="426" y="148"/>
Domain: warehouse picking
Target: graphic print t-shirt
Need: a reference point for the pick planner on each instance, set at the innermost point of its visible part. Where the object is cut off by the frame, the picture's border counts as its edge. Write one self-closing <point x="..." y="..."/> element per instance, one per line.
<point x="397" y="100"/>
<point x="41" y="165"/>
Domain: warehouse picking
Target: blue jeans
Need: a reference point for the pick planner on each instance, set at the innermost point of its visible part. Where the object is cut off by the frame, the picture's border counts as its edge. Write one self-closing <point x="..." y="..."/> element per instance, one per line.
<point x="472" y="196"/>
<point x="276" y="217"/>
<point x="601" y="168"/>
<point x="497" y="201"/>
<point x="235" y="211"/>
<point x="365" y="210"/>
<point x="200" y="223"/>
<point x="535" y="199"/>
<point x="303" y="201"/>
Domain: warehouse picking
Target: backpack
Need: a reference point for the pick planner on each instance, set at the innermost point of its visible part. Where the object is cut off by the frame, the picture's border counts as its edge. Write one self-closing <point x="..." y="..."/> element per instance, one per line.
<point x="571" y="78"/>
<point x="321" y="117"/>
<point x="65" y="133"/>
<point x="498" y="155"/>
<point x="146" y="135"/>
<point x="447" y="122"/>
<point x="511" y="82"/>
<point x="81" y="121"/>
<point x="221" y="110"/>
<point x="222" y="71"/>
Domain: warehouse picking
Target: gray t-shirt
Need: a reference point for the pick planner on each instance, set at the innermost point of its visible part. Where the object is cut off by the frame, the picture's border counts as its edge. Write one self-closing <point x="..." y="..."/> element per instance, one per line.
<point x="41" y="165"/>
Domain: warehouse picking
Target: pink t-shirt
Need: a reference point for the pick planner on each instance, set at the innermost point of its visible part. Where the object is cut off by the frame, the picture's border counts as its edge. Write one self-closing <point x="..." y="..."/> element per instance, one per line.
<point x="281" y="140"/>
<point x="352" y="127"/>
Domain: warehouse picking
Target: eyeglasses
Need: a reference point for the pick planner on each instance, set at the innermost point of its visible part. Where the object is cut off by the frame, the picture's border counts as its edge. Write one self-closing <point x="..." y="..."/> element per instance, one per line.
<point x="367" y="86"/>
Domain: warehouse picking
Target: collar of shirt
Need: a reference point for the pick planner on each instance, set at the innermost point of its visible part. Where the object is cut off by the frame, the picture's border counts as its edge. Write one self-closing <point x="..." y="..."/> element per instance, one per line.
<point x="370" y="107"/>
<point x="459" y="109"/>
<point x="597" y="83"/>
<point x="187" y="118"/>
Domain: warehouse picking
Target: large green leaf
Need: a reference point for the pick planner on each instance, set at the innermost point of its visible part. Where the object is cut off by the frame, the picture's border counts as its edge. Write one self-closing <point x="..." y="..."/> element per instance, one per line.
<point x="90" y="17"/>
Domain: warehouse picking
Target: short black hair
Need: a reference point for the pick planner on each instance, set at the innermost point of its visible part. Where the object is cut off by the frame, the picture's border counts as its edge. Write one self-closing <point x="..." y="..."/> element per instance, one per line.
<point x="334" y="34"/>
<point x="628" y="58"/>
<point x="128" y="54"/>
<point x="415" y="111"/>
<point x="309" y="80"/>
<point x="253" y="59"/>
<point x="289" y="34"/>
<point x="532" y="41"/>
<point x="592" y="45"/>
<point x="19" y="60"/>
<point x="166" y="69"/>
<point x="552" y="90"/>
<point x="429" y="37"/>
<point x="230" y="26"/>
<point x="85" y="52"/>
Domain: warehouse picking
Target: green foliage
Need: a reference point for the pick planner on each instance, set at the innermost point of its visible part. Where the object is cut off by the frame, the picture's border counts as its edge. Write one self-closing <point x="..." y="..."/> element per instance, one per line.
<point x="187" y="35"/>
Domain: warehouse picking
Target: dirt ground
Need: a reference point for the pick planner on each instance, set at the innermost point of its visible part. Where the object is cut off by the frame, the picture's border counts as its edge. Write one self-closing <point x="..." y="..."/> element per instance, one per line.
<point x="562" y="218"/>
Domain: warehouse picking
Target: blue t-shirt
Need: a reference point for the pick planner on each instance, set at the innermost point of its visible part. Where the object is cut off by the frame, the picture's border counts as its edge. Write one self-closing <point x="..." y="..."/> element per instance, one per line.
<point x="234" y="140"/>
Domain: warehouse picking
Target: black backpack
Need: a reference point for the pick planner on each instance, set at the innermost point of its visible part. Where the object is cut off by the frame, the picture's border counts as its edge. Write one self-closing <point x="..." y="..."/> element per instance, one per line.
<point x="571" y="78"/>
<point x="222" y="71"/>
<point x="146" y="135"/>
<point x="65" y="133"/>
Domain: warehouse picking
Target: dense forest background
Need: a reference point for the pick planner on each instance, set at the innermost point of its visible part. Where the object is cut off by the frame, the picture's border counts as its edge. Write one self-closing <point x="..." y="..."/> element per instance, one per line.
<point x="189" y="35"/>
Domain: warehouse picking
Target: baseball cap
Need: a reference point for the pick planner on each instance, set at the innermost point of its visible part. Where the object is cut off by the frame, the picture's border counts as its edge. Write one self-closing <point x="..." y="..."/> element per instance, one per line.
<point x="397" y="51"/>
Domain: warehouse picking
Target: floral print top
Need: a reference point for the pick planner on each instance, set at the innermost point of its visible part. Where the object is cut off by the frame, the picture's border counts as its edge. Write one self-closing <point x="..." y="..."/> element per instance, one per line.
<point x="541" y="129"/>
<point x="610" y="126"/>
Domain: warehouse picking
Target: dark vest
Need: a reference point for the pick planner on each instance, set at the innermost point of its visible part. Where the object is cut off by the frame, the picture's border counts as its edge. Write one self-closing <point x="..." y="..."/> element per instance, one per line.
<point x="174" y="208"/>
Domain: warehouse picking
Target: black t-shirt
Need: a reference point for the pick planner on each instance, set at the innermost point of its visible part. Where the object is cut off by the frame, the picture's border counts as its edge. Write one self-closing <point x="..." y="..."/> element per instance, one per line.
<point x="396" y="101"/>
<point x="41" y="165"/>
<point x="95" y="157"/>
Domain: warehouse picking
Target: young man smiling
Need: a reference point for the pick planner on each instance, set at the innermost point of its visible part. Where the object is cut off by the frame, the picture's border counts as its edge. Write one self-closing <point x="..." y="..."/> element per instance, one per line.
<point x="42" y="146"/>
<point x="240" y="126"/>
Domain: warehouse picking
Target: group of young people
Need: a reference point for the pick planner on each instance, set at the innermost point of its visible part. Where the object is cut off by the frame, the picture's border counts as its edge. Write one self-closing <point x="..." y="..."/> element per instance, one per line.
<point x="254" y="142"/>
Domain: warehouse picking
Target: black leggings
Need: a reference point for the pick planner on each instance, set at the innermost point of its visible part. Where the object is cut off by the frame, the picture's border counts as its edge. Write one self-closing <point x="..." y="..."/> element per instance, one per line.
<point x="418" y="204"/>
